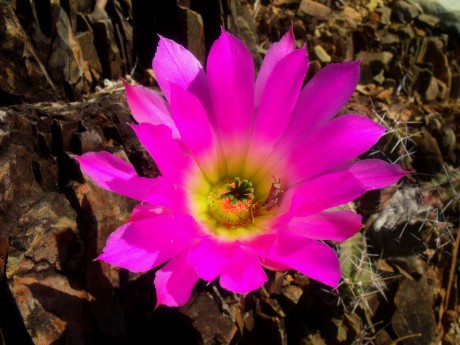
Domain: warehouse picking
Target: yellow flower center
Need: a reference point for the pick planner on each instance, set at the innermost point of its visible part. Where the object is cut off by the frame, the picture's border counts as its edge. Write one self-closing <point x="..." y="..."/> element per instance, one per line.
<point x="231" y="204"/>
<point x="235" y="209"/>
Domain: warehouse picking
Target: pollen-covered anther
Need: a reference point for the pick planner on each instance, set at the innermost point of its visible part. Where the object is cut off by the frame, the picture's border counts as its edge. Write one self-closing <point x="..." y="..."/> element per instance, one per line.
<point x="232" y="203"/>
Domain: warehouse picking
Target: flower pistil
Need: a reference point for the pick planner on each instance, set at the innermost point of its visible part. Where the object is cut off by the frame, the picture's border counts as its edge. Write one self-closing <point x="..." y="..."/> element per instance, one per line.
<point x="232" y="204"/>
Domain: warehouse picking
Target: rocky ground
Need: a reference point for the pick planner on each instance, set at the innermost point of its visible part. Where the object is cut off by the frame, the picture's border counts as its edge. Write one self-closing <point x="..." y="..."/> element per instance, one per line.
<point x="60" y="94"/>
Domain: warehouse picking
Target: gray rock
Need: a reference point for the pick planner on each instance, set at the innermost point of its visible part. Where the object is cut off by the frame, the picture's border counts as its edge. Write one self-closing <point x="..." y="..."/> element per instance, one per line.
<point x="377" y="59"/>
<point x="385" y="15"/>
<point x="321" y="54"/>
<point x="448" y="11"/>
<point x="60" y="60"/>
<point x="18" y="74"/>
<point x="314" y="9"/>
<point x="414" y="314"/>
<point x="107" y="49"/>
<point x="390" y="39"/>
<point x="195" y="32"/>
<point x="427" y="20"/>
<point x="431" y="52"/>
<point x="404" y="11"/>
<point x="66" y="60"/>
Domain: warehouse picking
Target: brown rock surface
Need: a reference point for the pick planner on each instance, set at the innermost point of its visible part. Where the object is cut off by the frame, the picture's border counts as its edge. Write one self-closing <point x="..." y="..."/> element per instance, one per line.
<point x="16" y="74"/>
<point x="414" y="317"/>
<point x="314" y="9"/>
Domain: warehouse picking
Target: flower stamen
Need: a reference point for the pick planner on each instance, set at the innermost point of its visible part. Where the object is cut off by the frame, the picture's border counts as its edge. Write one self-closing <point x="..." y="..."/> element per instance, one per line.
<point x="231" y="204"/>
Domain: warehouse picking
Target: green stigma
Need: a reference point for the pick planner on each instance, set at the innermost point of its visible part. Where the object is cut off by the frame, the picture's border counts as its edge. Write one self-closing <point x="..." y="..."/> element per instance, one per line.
<point x="240" y="190"/>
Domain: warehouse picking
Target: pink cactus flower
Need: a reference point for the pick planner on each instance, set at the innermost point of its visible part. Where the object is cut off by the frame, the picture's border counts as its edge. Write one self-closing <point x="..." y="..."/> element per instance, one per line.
<point x="250" y="169"/>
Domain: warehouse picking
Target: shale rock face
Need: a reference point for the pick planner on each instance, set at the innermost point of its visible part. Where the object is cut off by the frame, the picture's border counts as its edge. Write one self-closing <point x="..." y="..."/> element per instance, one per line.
<point x="21" y="67"/>
<point x="58" y="225"/>
<point x="60" y="50"/>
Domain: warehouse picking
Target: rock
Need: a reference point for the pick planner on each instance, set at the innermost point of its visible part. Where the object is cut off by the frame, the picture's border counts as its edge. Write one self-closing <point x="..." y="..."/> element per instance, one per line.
<point x="390" y="39"/>
<point x="86" y="141"/>
<point x="379" y="78"/>
<point x="412" y="266"/>
<point x="321" y="54"/>
<point x="299" y="28"/>
<point x="57" y="43"/>
<point x="404" y="11"/>
<point x="373" y="64"/>
<point x="378" y="59"/>
<point x="242" y="24"/>
<point x="314" y="9"/>
<point x="53" y="279"/>
<point x="107" y="49"/>
<point x="428" y="158"/>
<point x="292" y="3"/>
<point x="405" y="32"/>
<point x="268" y="330"/>
<point x="85" y="38"/>
<point x="352" y="15"/>
<point x="6" y="188"/>
<point x="17" y="75"/>
<point x="205" y="312"/>
<point x="385" y="15"/>
<point x="455" y="85"/>
<point x="432" y="51"/>
<point x="66" y="60"/>
<point x="385" y="94"/>
<point x="287" y="3"/>
<point x="436" y="90"/>
<point x="447" y="11"/>
<point x="427" y="20"/>
<point x="122" y="20"/>
<point x="195" y="32"/>
<point x="414" y="316"/>
<point x="290" y="297"/>
<point x="448" y="141"/>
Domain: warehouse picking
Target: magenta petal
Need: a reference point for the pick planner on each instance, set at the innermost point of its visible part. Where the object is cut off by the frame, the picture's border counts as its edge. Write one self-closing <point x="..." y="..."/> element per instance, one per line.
<point x="196" y="130"/>
<point x="239" y="268"/>
<point x="242" y="272"/>
<point x="143" y="244"/>
<point x="168" y="153"/>
<point x="143" y="211"/>
<point x="261" y="244"/>
<point x="208" y="258"/>
<point x="116" y="175"/>
<point x="337" y="142"/>
<point x="375" y="173"/>
<point x="174" y="282"/>
<point x="322" y="98"/>
<point x="230" y="72"/>
<point x="120" y="253"/>
<point x="175" y="64"/>
<point x="325" y="192"/>
<point x="166" y="194"/>
<point x="274" y="55"/>
<point x="340" y="187"/>
<point x="335" y="226"/>
<point x="148" y="106"/>
<point x="312" y="258"/>
<point x="278" y="100"/>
